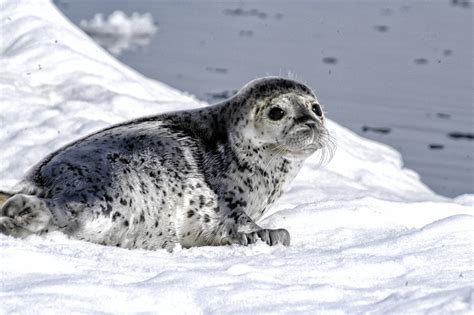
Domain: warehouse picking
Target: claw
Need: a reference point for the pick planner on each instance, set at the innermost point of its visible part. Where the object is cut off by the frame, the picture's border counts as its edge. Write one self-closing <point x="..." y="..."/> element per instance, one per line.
<point x="271" y="237"/>
<point x="226" y="241"/>
<point x="7" y="224"/>
<point x="281" y="236"/>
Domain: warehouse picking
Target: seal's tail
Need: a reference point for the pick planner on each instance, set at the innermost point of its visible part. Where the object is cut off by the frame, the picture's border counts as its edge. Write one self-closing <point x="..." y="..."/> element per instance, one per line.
<point x="4" y="197"/>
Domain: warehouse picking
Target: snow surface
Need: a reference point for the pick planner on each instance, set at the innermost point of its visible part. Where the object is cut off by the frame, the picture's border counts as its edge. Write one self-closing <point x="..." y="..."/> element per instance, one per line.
<point x="367" y="235"/>
<point x="118" y="32"/>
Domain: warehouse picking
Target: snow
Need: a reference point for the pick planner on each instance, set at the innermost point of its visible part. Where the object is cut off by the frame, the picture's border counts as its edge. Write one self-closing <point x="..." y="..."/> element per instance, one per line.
<point x="367" y="235"/>
<point x="118" y="32"/>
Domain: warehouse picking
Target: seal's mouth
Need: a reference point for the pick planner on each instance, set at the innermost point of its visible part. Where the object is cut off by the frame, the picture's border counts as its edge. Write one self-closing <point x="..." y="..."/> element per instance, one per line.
<point x="304" y="140"/>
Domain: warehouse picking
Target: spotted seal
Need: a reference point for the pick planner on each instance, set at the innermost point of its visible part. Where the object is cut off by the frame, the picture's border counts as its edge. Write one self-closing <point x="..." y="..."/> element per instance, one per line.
<point x="196" y="177"/>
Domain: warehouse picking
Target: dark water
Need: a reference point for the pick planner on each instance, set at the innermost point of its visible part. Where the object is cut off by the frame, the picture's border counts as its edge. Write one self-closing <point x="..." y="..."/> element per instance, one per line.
<point x="399" y="72"/>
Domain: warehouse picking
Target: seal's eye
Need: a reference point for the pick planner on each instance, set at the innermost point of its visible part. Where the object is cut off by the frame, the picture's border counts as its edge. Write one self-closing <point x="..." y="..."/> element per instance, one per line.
<point x="317" y="109"/>
<point x="276" y="113"/>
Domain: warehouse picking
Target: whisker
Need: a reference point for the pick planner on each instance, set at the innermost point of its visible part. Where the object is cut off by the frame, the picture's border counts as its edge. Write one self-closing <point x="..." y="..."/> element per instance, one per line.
<point x="329" y="146"/>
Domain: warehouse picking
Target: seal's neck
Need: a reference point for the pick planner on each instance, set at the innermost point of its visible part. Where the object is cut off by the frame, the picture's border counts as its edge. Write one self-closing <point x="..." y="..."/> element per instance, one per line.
<point x="263" y="173"/>
<point x="267" y="160"/>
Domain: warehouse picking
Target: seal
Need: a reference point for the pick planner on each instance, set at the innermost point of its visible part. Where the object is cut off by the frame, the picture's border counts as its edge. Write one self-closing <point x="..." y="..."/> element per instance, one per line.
<point x="195" y="178"/>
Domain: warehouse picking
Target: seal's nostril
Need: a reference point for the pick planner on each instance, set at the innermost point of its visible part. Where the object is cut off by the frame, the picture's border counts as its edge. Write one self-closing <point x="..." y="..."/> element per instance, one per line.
<point x="305" y="119"/>
<point x="311" y="124"/>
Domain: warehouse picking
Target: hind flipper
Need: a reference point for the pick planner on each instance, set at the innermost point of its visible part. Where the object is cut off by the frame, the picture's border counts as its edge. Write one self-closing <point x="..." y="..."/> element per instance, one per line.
<point x="22" y="215"/>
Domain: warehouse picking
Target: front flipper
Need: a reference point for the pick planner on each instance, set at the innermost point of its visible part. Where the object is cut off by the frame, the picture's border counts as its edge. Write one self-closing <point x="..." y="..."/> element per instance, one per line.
<point x="269" y="236"/>
<point x="243" y="231"/>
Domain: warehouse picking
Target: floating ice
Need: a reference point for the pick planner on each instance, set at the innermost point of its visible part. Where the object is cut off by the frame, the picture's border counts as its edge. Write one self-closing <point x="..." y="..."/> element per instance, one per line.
<point x="118" y="32"/>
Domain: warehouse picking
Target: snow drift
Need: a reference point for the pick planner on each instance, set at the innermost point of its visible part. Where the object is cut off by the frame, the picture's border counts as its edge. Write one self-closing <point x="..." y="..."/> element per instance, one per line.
<point x="367" y="235"/>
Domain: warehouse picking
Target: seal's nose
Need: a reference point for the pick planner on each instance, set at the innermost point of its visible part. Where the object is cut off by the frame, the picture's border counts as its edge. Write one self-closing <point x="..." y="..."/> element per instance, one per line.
<point x="311" y="124"/>
<point x="305" y="119"/>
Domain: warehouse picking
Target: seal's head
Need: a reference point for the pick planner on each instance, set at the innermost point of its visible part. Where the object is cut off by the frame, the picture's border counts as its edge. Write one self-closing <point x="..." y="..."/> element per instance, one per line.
<point x="284" y="115"/>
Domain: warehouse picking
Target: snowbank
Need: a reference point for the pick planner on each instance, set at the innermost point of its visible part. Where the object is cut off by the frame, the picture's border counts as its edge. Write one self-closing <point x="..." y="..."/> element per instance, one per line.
<point x="118" y="32"/>
<point x="367" y="235"/>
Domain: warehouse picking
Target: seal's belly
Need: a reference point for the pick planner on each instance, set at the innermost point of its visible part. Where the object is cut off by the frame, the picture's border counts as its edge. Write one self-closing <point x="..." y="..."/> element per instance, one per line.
<point x="126" y="199"/>
<point x="136" y="214"/>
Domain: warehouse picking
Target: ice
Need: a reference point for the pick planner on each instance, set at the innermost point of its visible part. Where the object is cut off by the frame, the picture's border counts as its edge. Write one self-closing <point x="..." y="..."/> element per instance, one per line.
<point x="367" y="235"/>
<point x="118" y="32"/>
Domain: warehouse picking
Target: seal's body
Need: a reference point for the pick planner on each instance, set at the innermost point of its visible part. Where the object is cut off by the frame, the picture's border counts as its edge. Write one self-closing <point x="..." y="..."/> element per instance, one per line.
<point x="198" y="177"/>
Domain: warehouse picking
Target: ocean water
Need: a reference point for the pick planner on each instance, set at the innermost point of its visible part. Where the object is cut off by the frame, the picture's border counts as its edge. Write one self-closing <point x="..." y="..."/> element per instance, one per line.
<point x="399" y="72"/>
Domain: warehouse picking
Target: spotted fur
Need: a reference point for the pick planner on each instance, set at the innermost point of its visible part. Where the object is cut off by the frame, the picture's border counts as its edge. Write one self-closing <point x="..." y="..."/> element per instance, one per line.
<point x="197" y="177"/>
